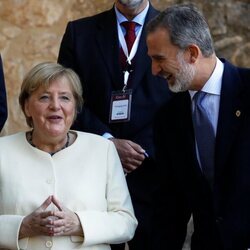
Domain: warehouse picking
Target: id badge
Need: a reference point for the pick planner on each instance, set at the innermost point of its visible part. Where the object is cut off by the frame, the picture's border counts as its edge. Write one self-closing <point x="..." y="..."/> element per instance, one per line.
<point x="120" y="106"/>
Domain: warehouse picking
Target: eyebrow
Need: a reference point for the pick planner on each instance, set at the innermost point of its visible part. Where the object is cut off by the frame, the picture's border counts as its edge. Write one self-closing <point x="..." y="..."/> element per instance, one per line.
<point x="61" y="93"/>
<point x="158" y="56"/>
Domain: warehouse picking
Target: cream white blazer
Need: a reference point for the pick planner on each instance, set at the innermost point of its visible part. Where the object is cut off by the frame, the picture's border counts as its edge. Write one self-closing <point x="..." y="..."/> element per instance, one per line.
<point x="87" y="177"/>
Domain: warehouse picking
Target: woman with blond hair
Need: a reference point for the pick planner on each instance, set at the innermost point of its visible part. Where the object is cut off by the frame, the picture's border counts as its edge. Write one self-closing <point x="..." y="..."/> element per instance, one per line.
<point x="60" y="189"/>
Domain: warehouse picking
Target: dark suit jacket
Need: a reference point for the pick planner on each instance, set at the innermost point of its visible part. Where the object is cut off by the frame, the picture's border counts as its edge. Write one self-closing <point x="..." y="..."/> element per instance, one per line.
<point x="3" y="101"/>
<point x="222" y="216"/>
<point x="90" y="46"/>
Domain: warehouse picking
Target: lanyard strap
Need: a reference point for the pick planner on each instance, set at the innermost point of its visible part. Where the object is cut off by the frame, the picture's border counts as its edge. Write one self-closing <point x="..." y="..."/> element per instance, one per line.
<point x="132" y="53"/>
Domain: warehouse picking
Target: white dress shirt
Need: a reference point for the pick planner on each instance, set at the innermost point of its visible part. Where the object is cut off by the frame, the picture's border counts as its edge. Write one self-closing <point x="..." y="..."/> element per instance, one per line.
<point x="211" y="101"/>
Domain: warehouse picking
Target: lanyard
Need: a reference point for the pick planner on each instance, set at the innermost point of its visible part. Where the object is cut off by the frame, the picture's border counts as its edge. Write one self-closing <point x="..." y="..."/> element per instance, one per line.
<point x="132" y="53"/>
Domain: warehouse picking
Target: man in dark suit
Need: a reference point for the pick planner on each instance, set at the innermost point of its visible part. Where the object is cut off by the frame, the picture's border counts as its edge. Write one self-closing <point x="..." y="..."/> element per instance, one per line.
<point x="3" y="101"/>
<point x="211" y="183"/>
<point x="121" y="96"/>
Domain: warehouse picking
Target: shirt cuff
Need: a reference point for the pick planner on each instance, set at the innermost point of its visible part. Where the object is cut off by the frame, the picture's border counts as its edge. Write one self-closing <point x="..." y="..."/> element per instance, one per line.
<point x="107" y="135"/>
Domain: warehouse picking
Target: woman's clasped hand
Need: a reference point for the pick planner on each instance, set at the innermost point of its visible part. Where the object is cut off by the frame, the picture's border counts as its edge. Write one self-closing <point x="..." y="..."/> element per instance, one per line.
<point x="59" y="222"/>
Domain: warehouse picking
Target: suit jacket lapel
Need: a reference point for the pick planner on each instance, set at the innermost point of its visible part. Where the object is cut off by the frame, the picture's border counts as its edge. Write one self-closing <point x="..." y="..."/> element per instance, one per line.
<point x="183" y="143"/>
<point x="230" y="112"/>
<point x="187" y="125"/>
<point x="108" y="42"/>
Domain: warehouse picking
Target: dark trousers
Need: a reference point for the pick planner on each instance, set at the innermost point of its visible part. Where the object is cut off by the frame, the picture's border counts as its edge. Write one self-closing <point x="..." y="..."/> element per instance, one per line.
<point x="141" y="239"/>
<point x="144" y="182"/>
<point x="139" y="242"/>
<point x="118" y="247"/>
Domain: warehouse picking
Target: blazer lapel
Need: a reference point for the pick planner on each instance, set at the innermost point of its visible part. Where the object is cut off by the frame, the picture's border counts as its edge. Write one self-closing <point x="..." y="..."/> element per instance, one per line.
<point x="230" y="112"/>
<point x="108" y="42"/>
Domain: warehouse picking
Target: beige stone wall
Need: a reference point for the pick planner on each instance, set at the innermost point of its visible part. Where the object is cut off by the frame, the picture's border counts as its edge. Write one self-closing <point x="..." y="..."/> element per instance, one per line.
<point x="31" y="31"/>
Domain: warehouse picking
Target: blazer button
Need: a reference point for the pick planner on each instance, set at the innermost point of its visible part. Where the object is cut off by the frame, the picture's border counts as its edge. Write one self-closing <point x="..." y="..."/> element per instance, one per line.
<point x="49" y="244"/>
<point x="49" y="181"/>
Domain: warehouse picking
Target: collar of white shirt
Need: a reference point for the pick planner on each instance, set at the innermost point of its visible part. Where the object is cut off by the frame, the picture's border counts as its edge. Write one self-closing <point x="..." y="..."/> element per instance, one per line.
<point x="213" y="85"/>
<point x="139" y="19"/>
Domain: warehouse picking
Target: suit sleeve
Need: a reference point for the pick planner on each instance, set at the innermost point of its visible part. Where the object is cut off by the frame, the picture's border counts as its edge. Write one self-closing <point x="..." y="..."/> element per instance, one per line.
<point x="117" y="224"/>
<point x="3" y="100"/>
<point x="171" y="208"/>
<point x="86" y="120"/>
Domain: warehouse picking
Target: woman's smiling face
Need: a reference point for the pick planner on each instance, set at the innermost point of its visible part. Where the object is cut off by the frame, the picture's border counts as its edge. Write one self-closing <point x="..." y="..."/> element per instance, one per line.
<point x="52" y="109"/>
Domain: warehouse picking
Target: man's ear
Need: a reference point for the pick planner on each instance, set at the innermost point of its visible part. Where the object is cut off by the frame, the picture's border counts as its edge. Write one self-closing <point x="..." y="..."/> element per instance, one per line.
<point x="194" y="52"/>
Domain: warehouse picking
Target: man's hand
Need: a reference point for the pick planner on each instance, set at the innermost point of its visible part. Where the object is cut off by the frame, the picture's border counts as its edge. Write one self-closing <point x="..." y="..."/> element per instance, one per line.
<point x="130" y="153"/>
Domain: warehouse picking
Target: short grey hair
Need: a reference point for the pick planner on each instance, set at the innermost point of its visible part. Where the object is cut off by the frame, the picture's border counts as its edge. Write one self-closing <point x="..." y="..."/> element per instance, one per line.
<point x="186" y="25"/>
<point x="44" y="74"/>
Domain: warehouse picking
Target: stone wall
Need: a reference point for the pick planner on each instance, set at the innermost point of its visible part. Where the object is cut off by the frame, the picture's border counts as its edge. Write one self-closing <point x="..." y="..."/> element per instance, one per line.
<point x="31" y="31"/>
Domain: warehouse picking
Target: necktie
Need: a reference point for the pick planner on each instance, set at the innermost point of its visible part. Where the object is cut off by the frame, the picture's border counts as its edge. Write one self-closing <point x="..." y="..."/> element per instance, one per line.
<point x="205" y="137"/>
<point x="129" y="38"/>
<point x="130" y="33"/>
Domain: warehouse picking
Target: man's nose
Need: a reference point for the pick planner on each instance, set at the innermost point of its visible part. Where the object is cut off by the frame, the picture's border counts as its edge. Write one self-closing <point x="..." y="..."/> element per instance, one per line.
<point x="155" y="68"/>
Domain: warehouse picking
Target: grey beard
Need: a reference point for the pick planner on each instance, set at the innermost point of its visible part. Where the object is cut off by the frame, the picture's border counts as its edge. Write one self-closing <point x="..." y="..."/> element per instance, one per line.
<point x="184" y="77"/>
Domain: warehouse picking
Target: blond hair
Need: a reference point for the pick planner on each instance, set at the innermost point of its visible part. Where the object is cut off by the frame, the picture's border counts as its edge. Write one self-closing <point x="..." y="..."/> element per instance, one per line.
<point x="44" y="74"/>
